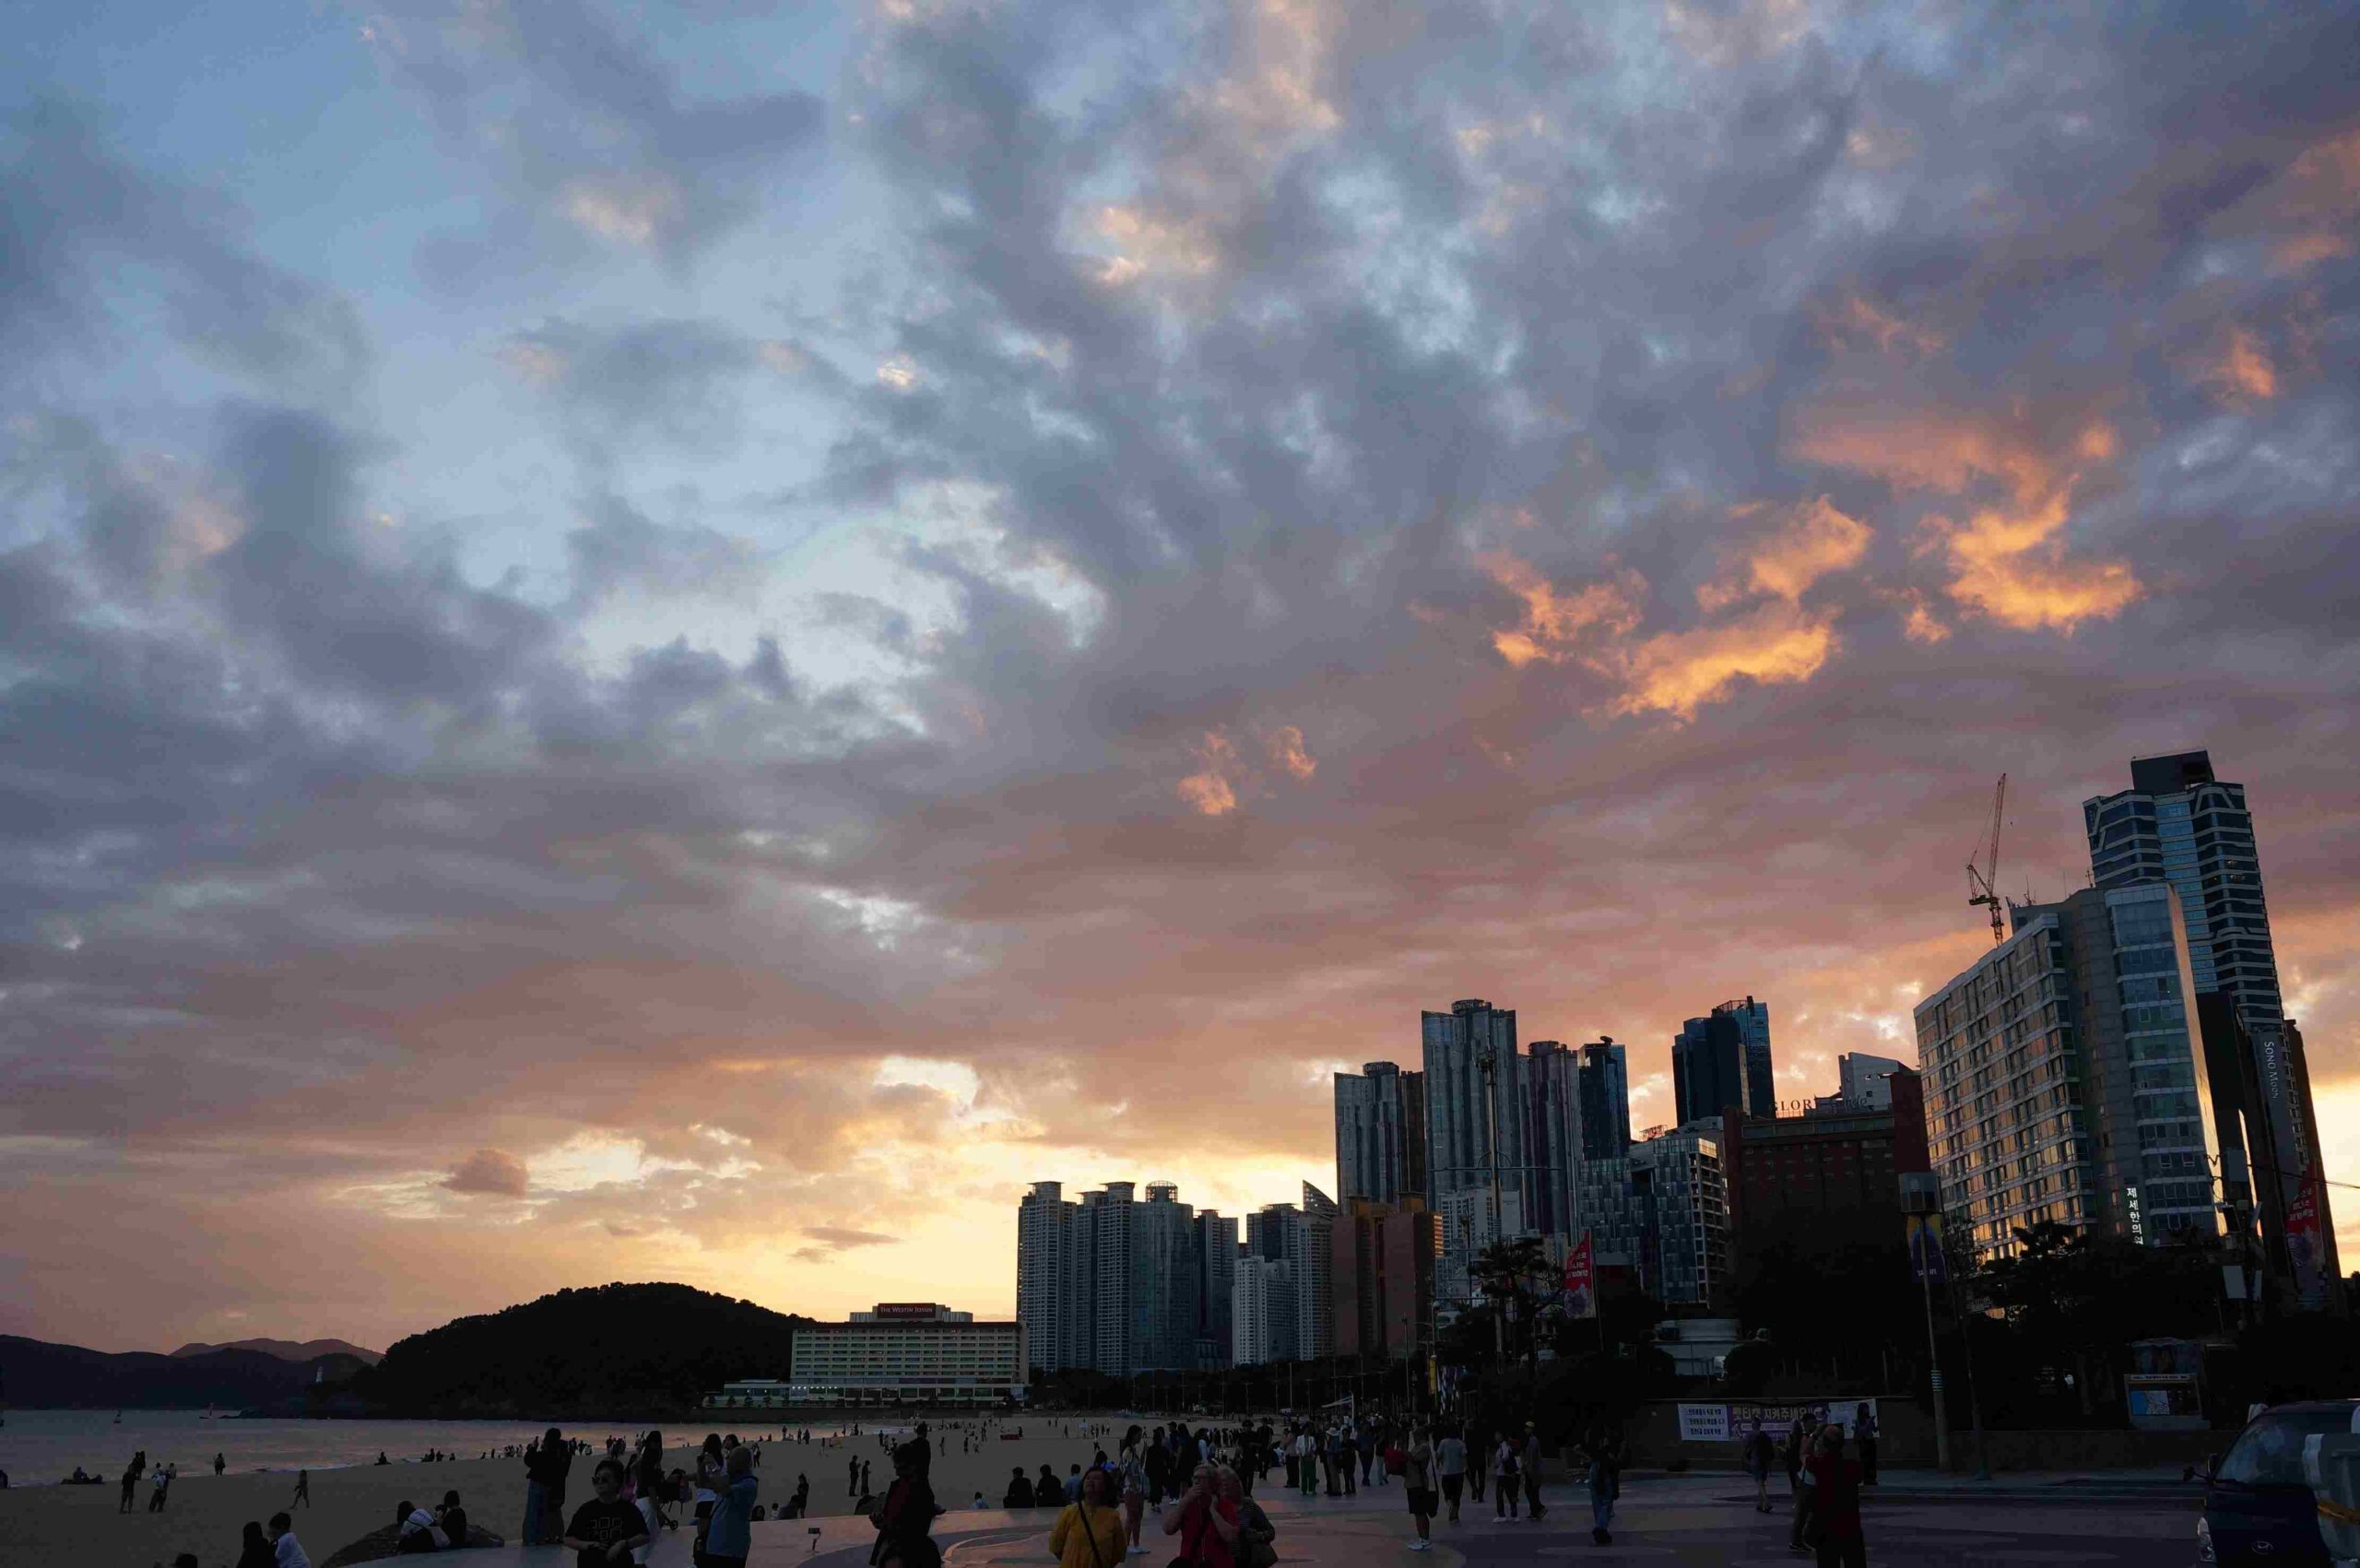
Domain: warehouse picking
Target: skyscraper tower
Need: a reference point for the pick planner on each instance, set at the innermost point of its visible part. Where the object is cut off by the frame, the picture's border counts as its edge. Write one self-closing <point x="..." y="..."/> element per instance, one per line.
<point x="2176" y="823"/>
<point x="1381" y="1134"/>
<point x="2179" y="823"/>
<point x="1052" y="1309"/>
<point x="1474" y="1086"/>
<point x="1723" y="1059"/>
<point x="1552" y="1136"/>
<point x="1603" y="1085"/>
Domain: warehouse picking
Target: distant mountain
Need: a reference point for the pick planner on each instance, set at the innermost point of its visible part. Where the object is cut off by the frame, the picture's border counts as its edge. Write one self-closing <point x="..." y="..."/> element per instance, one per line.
<point x="287" y="1350"/>
<point x="38" y="1375"/>
<point x="611" y="1350"/>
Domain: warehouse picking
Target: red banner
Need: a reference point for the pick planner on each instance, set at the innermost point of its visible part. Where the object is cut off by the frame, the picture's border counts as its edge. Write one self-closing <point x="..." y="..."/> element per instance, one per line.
<point x="1581" y="1286"/>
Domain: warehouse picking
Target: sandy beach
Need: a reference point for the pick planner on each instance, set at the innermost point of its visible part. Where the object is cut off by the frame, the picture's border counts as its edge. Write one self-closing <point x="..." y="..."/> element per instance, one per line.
<point x="49" y="1523"/>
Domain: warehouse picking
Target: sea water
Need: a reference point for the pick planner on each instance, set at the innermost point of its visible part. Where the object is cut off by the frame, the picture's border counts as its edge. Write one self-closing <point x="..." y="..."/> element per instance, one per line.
<point x="39" y="1447"/>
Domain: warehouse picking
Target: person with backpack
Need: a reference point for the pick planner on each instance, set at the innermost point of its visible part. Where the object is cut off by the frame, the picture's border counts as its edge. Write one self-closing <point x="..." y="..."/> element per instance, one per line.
<point x="1507" y="1475"/>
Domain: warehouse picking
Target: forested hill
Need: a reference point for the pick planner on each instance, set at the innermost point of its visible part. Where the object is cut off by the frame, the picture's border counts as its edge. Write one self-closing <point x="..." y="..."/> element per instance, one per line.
<point x="35" y="1375"/>
<point x="610" y="1350"/>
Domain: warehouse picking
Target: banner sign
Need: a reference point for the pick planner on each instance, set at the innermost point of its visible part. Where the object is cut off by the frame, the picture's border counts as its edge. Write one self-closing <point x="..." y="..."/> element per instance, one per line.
<point x="1927" y="1264"/>
<point x="1723" y="1423"/>
<point x="1704" y="1423"/>
<point x="1581" y="1286"/>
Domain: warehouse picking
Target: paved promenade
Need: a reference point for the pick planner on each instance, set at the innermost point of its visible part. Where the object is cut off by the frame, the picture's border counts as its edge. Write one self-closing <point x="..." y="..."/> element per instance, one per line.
<point x="2026" y="1521"/>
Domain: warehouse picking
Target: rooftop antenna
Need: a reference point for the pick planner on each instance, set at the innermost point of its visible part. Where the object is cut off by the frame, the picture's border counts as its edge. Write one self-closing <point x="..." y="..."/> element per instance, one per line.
<point x="1983" y="882"/>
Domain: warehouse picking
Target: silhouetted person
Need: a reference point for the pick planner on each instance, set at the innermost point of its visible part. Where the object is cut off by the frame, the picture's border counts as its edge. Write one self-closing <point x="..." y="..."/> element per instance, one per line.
<point x="302" y="1488"/>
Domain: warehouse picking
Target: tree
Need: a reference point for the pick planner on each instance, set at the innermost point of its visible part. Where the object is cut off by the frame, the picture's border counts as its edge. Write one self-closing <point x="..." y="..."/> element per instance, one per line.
<point x="1521" y="1285"/>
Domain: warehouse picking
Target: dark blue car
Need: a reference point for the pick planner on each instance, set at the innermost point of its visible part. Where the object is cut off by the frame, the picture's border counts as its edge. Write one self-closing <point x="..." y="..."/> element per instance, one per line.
<point x="2257" y="1508"/>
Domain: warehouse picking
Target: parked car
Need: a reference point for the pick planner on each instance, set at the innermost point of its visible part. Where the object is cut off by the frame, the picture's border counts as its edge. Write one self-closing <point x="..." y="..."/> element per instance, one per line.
<point x="2257" y="1508"/>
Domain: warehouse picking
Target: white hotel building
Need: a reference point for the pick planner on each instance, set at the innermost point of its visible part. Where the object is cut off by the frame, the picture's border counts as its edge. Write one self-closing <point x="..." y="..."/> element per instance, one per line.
<point x="906" y="1353"/>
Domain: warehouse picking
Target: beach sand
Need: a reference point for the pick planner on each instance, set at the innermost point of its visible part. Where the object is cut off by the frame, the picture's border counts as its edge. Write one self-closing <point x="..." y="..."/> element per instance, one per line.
<point x="78" y="1524"/>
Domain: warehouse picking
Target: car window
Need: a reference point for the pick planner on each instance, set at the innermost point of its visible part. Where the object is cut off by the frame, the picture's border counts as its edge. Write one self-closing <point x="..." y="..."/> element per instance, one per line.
<point x="2270" y="1453"/>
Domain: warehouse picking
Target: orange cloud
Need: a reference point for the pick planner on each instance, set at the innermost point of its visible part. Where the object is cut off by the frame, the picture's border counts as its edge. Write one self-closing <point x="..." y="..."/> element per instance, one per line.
<point x="1919" y="623"/>
<point x="1289" y="753"/>
<point x="1814" y="540"/>
<point x="1209" y="791"/>
<point x="2243" y="372"/>
<point x="2007" y="561"/>
<point x="1677" y="672"/>
<point x="1554" y="622"/>
<point x="1859" y="317"/>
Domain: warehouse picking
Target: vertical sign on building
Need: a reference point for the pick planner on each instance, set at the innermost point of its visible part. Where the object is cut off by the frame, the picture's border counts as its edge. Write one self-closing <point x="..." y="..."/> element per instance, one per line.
<point x="1581" y="1293"/>
<point x="1927" y="1263"/>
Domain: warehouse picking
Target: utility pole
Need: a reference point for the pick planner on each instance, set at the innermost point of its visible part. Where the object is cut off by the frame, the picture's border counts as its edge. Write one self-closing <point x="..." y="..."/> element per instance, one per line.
<point x="1488" y="1067"/>
<point x="1934" y="1352"/>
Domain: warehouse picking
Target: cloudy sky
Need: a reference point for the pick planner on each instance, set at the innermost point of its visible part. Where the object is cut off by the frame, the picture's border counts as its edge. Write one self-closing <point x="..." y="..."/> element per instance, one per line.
<point x="690" y="645"/>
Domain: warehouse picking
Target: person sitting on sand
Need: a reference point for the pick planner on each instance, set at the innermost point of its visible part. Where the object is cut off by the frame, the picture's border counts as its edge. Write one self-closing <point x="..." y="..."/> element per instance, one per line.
<point x="453" y="1518"/>
<point x="1048" y="1491"/>
<point x="255" y="1552"/>
<point x="284" y="1548"/>
<point x="415" y="1531"/>
<point x="1020" y="1491"/>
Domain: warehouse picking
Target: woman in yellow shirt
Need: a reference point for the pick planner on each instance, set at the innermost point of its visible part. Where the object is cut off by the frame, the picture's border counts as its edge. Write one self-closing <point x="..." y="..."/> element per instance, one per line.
<point x="1089" y="1534"/>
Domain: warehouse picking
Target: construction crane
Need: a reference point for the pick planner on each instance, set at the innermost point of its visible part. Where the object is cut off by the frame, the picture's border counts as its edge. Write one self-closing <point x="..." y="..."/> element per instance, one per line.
<point x="1983" y="882"/>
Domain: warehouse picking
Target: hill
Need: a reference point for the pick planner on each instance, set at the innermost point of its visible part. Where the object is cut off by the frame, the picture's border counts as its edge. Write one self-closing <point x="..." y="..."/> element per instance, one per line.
<point x="39" y="1375"/>
<point x="287" y="1350"/>
<point x="610" y="1350"/>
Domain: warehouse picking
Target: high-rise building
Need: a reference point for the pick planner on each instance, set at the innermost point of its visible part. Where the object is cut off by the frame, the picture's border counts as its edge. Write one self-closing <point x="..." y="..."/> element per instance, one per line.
<point x="1552" y="1136"/>
<point x="1113" y="1283"/>
<point x="2179" y="823"/>
<point x="1380" y="1133"/>
<point x="1383" y="1274"/>
<point x="2064" y="1077"/>
<point x="1164" y="1261"/>
<point x="1474" y="1100"/>
<point x="1753" y="1019"/>
<point x="1216" y="1282"/>
<point x="1050" y="1301"/>
<point x="1722" y="1060"/>
<point x="1684" y="1216"/>
<point x="1264" y="1312"/>
<point x="1304" y="1237"/>
<point x="2176" y="823"/>
<point x="1604" y="1088"/>
<point x="1101" y="1255"/>
<point x="1477" y="1112"/>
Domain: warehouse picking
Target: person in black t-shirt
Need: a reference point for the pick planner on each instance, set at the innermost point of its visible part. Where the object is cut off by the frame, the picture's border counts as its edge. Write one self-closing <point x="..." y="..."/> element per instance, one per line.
<point x="453" y="1518"/>
<point x="603" y="1530"/>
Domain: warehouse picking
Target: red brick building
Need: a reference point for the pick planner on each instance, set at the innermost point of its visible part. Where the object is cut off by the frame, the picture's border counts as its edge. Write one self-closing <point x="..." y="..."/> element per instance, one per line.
<point x="1383" y="1278"/>
<point x="1825" y="1179"/>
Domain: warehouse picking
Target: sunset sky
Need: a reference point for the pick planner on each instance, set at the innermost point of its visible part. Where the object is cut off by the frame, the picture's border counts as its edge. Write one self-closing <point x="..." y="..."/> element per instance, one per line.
<point x="690" y="644"/>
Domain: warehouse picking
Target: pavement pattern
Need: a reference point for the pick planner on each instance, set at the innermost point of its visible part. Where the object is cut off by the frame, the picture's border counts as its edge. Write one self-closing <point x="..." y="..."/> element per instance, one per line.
<point x="1660" y="1522"/>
